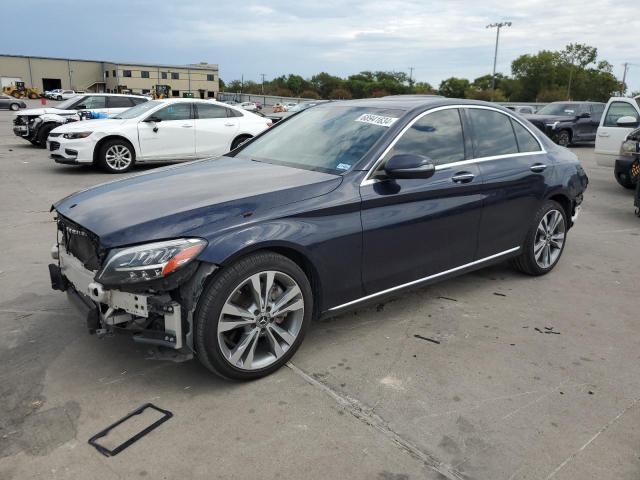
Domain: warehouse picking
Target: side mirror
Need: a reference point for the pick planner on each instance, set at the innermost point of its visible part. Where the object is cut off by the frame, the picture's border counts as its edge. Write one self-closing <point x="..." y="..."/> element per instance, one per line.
<point x="627" y="122"/>
<point x="409" y="166"/>
<point x="584" y="115"/>
<point x="152" y="119"/>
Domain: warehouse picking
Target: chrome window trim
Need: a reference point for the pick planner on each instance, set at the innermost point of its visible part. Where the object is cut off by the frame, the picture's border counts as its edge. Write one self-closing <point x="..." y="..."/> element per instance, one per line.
<point x="370" y="181"/>
<point x="424" y="279"/>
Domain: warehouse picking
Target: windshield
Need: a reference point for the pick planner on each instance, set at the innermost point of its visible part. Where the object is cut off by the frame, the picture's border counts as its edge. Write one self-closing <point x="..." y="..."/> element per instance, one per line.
<point x="138" y="110"/>
<point x="328" y="139"/>
<point x="299" y="107"/>
<point x="67" y="104"/>
<point x="561" y="109"/>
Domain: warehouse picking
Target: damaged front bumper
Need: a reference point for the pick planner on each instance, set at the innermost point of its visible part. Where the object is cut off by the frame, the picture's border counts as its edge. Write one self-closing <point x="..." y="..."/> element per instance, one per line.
<point x="151" y="318"/>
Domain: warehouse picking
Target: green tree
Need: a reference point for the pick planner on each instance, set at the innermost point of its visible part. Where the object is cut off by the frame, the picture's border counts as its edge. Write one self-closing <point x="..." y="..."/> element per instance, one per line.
<point x="454" y="87"/>
<point x="325" y="83"/>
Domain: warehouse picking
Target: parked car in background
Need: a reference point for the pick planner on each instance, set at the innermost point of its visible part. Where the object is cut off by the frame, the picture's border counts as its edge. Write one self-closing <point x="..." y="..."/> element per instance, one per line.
<point x="344" y="203"/>
<point x="156" y="131"/>
<point x="249" y="106"/>
<point x="629" y="152"/>
<point x="12" y="103"/>
<point x="568" y="122"/>
<point x="522" y="109"/>
<point x="621" y="117"/>
<point x="64" y="95"/>
<point x="52" y="94"/>
<point x="277" y="116"/>
<point x="35" y="124"/>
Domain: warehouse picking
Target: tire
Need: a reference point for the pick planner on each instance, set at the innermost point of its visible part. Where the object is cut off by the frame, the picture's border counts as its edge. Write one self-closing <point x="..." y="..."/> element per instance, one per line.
<point x="624" y="180"/>
<point x="14" y="106"/>
<point x="563" y="138"/>
<point x="239" y="141"/>
<point x="257" y="344"/>
<point x="59" y="98"/>
<point x="43" y="134"/>
<point x="533" y="260"/>
<point x="116" y="156"/>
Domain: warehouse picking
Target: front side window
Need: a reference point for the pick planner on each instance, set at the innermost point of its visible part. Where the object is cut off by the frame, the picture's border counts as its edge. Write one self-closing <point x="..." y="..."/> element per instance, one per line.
<point x="328" y="139"/>
<point x="492" y="132"/>
<point x="210" y="111"/>
<point x="175" y="111"/>
<point x="618" y="110"/>
<point x="92" y="102"/>
<point x="526" y="141"/>
<point x="437" y="135"/>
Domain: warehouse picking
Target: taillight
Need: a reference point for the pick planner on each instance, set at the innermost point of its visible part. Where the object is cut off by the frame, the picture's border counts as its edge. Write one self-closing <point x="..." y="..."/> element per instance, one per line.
<point x="269" y="124"/>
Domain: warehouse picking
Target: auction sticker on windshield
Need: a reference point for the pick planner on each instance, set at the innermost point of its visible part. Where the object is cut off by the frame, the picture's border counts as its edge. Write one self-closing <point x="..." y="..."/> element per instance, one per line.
<point x="376" y="119"/>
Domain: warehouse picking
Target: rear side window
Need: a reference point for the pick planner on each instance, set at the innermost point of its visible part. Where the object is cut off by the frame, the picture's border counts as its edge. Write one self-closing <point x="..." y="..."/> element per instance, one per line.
<point x="526" y="141"/>
<point x="437" y="135"/>
<point x="119" y="102"/>
<point x="596" y="110"/>
<point x="233" y="113"/>
<point x="211" y="111"/>
<point x="493" y="134"/>
<point x="94" y="101"/>
<point x="176" y="111"/>
<point x="618" y="110"/>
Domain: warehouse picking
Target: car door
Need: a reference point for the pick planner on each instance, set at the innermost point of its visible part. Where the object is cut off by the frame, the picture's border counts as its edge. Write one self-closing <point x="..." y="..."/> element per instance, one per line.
<point x="596" y="110"/>
<point x="514" y="171"/>
<point x="583" y="127"/>
<point x="610" y="136"/>
<point x="4" y="101"/>
<point x="171" y="136"/>
<point x="416" y="228"/>
<point x="214" y="129"/>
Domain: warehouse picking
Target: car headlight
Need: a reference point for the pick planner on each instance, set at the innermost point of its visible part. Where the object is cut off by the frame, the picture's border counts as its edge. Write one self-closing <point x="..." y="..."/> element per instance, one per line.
<point x="74" y="135"/>
<point x="147" y="262"/>
<point x="629" y="147"/>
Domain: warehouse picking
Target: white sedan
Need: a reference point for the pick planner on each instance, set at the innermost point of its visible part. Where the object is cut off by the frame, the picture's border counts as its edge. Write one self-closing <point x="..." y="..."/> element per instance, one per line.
<point x="156" y="131"/>
<point x="249" y="106"/>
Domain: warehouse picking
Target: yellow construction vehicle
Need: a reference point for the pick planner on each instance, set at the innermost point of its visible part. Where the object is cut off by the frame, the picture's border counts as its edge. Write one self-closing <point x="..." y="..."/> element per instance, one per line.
<point x="20" y="91"/>
<point x="161" y="91"/>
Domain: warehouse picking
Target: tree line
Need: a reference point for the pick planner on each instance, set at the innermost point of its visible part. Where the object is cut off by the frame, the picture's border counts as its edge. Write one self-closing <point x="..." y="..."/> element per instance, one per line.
<point x="574" y="73"/>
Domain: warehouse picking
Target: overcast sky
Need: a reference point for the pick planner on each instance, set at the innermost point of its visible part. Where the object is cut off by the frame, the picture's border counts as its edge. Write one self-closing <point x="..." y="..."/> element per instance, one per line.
<point x="439" y="39"/>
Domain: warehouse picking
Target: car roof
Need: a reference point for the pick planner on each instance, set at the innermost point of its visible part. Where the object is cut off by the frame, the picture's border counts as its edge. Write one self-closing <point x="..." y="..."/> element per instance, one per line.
<point x="411" y="103"/>
<point x="578" y="102"/>
<point x="111" y="95"/>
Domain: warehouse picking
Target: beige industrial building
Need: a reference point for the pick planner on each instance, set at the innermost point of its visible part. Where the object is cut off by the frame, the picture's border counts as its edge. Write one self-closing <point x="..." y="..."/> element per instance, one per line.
<point x="199" y="80"/>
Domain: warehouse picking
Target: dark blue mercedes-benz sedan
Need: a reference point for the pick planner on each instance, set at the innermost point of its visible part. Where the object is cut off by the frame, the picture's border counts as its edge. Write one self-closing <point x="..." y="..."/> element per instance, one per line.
<point x="230" y="259"/>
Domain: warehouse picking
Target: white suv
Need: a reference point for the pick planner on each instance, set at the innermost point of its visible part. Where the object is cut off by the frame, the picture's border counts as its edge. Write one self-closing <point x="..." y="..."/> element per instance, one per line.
<point x="157" y="131"/>
<point x="34" y="124"/>
<point x="621" y="117"/>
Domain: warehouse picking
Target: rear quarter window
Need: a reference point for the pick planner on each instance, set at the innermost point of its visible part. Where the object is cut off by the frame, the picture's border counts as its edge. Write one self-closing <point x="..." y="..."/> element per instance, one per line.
<point x="526" y="141"/>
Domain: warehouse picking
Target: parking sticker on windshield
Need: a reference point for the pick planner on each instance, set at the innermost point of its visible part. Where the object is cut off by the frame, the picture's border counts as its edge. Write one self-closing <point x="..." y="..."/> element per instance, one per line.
<point x="343" y="166"/>
<point x="380" y="120"/>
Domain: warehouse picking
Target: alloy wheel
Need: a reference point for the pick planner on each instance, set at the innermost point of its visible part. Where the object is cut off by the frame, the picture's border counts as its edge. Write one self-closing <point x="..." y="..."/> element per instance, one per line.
<point x="564" y="139"/>
<point x="118" y="157"/>
<point x="549" y="240"/>
<point x="260" y="320"/>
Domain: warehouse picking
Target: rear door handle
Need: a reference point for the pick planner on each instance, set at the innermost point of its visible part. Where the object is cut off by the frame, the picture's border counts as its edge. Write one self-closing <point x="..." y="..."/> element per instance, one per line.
<point x="229" y="124"/>
<point x="463" y="177"/>
<point x="538" y="168"/>
<point x="187" y="126"/>
<point x="603" y="134"/>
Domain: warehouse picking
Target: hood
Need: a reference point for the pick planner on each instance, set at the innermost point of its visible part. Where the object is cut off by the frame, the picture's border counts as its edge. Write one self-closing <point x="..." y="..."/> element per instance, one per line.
<point x="93" y="125"/>
<point x="169" y="202"/>
<point x="550" y="118"/>
<point x="36" y="112"/>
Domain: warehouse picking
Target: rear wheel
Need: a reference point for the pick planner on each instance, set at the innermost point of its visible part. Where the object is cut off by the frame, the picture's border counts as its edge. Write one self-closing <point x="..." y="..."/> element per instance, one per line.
<point x="239" y="141"/>
<point x="14" y="107"/>
<point x="116" y="156"/>
<point x="253" y="316"/>
<point x="545" y="240"/>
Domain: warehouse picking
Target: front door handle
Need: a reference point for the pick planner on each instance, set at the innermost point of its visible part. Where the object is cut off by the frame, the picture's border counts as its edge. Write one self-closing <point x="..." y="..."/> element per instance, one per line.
<point x="463" y="177"/>
<point x="603" y="134"/>
<point x="187" y="126"/>
<point x="538" y="168"/>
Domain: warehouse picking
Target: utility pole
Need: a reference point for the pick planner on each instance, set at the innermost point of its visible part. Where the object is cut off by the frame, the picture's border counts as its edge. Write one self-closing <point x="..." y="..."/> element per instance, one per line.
<point x="623" y="87"/>
<point x="410" y="76"/>
<point x="262" y="75"/>
<point x="497" y="26"/>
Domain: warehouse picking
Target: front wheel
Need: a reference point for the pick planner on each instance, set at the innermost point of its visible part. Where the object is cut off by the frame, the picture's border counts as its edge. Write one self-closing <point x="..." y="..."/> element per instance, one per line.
<point x="624" y="180"/>
<point x="14" y="107"/>
<point x="545" y="240"/>
<point x="116" y="156"/>
<point x="253" y="316"/>
<point x="563" y="138"/>
<point x="58" y="97"/>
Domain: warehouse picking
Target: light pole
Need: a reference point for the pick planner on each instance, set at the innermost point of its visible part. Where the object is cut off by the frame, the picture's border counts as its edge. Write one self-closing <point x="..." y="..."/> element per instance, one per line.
<point x="262" y="75"/>
<point x="497" y="26"/>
